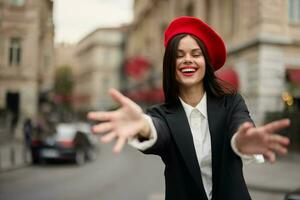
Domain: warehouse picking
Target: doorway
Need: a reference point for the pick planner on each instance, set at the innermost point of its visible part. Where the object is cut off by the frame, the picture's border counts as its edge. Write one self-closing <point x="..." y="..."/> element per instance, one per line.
<point x="12" y="101"/>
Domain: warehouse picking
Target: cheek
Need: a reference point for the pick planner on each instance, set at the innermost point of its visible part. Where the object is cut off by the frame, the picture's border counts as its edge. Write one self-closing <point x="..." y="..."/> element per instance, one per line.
<point x="177" y="75"/>
<point x="202" y="68"/>
<point x="201" y="64"/>
<point x="178" y="61"/>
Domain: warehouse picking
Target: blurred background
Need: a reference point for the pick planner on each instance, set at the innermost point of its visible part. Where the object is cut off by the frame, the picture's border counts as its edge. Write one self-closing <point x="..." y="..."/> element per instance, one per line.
<point x="58" y="58"/>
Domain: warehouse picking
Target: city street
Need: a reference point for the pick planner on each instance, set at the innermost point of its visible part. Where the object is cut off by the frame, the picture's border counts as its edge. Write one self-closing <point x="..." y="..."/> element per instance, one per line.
<point x="222" y="58"/>
<point x="127" y="176"/>
<point x="130" y="175"/>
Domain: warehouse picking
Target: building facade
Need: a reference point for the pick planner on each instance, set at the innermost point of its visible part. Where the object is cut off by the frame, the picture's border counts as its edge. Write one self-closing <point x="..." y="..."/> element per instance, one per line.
<point x="262" y="39"/>
<point x="99" y="56"/>
<point x="26" y="54"/>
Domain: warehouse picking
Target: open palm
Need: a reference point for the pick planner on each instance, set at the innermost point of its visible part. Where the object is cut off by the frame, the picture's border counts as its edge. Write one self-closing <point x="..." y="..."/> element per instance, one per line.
<point x="263" y="140"/>
<point x="121" y="124"/>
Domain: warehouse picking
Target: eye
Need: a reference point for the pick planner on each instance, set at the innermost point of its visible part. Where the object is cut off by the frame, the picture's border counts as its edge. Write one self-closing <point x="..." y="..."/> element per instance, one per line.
<point x="197" y="54"/>
<point x="179" y="55"/>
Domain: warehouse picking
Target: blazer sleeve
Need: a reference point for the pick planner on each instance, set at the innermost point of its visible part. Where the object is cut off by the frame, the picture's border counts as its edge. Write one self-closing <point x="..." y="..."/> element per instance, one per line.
<point x="163" y="133"/>
<point x="238" y="115"/>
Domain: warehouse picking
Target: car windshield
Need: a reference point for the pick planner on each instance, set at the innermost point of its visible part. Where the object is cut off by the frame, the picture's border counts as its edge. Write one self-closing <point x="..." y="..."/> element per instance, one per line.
<point x="65" y="131"/>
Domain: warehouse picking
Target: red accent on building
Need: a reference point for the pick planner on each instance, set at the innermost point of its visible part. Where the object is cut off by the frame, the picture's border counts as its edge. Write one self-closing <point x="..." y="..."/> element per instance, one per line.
<point x="135" y="67"/>
<point x="294" y="75"/>
<point x="228" y="75"/>
<point x="153" y="95"/>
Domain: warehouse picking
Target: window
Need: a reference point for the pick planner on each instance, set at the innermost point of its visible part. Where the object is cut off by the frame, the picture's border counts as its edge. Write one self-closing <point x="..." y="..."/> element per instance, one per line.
<point x="15" y="51"/>
<point x="17" y="2"/>
<point x="294" y="11"/>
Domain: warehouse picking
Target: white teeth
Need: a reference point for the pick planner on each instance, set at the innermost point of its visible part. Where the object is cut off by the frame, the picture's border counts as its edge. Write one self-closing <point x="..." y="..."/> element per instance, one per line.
<point x="187" y="70"/>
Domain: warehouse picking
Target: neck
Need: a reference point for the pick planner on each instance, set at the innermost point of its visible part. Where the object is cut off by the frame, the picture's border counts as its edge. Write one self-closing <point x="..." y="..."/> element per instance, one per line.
<point x="192" y="95"/>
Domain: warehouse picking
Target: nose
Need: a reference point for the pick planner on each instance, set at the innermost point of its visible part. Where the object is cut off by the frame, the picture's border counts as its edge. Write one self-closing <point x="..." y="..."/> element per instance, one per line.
<point x="187" y="59"/>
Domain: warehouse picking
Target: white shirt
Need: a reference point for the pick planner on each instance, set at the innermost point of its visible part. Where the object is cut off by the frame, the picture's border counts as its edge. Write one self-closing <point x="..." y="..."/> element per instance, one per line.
<point x="197" y="118"/>
<point x="198" y="122"/>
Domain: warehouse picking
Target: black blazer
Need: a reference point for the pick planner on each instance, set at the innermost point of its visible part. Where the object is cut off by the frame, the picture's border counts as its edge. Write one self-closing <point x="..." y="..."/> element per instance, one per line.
<point x="176" y="148"/>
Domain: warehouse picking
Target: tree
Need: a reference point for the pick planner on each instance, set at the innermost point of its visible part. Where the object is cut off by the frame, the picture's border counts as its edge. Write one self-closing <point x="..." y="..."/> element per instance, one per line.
<point x="63" y="85"/>
<point x="63" y="88"/>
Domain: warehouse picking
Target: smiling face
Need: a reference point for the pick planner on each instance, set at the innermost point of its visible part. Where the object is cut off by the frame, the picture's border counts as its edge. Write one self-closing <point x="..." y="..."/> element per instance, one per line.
<point x="190" y="64"/>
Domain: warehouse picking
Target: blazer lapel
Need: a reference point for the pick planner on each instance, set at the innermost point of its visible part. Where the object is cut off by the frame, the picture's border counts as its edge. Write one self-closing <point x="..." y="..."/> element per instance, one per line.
<point x="182" y="135"/>
<point x="215" y="110"/>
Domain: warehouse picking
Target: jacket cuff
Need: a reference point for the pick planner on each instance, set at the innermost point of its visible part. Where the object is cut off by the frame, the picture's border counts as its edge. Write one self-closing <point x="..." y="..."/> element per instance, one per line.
<point x="247" y="158"/>
<point x="145" y="144"/>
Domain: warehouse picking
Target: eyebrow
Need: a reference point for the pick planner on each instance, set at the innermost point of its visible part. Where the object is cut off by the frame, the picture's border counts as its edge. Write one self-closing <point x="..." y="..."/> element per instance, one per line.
<point x="193" y="50"/>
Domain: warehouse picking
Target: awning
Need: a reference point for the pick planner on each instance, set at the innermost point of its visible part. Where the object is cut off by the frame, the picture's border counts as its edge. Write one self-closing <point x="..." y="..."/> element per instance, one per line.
<point x="229" y="75"/>
<point x="135" y="67"/>
<point x="294" y="75"/>
<point x="152" y="95"/>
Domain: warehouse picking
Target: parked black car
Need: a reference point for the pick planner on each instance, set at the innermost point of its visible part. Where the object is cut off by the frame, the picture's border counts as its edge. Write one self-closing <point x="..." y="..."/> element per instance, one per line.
<point x="295" y="195"/>
<point x="70" y="142"/>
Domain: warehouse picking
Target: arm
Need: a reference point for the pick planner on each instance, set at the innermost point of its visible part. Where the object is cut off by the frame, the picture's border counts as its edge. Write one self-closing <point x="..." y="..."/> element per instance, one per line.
<point x="258" y="158"/>
<point x="142" y="143"/>
<point x="240" y="114"/>
<point x="250" y="140"/>
<point x="159" y="135"/>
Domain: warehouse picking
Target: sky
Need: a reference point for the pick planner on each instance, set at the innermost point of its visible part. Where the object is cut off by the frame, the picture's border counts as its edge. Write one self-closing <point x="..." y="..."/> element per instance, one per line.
<point x="74" y="19"/>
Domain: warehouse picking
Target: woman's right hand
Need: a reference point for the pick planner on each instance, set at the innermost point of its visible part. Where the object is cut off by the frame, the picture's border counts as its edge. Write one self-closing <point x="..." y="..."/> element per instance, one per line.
<point x="122" y="124"/>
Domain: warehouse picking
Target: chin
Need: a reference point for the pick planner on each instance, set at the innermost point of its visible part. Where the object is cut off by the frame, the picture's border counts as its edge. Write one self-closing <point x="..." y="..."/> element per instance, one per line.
<point x="189" y="83"/>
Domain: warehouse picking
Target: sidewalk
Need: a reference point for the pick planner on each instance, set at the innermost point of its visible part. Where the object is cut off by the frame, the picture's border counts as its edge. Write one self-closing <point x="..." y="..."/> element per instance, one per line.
<point x="12" y="155"/>
<point x="281" y="177"/>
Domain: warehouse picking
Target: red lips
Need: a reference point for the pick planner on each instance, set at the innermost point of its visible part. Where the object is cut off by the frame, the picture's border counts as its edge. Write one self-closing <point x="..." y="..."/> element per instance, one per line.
<point x="188" y="70"/>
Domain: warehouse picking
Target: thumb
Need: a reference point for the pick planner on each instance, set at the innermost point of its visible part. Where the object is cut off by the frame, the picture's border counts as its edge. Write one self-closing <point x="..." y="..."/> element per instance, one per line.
<point x="244" y="127"/>
<point x="118" y="96"/>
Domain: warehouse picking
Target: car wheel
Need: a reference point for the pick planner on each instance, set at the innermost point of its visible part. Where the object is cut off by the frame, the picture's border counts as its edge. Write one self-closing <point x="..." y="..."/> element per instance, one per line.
<point x="79" y="157"/>
<point x="35" y="160"/>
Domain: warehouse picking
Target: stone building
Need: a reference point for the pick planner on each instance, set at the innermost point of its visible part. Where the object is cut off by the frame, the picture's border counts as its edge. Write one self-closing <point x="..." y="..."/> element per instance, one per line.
<point x="262" y="39"/>
<point x="99" y="56"/>
<point x="26" y="54"/>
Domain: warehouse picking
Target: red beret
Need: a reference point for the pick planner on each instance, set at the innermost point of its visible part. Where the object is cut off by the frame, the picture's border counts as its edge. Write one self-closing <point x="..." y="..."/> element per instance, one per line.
<point x="213" y="42"/>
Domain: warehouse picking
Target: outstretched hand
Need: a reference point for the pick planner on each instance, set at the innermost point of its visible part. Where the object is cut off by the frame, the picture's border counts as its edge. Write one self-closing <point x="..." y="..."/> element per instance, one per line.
<point x="263" y="140"/>
<point x="122" y="124"/>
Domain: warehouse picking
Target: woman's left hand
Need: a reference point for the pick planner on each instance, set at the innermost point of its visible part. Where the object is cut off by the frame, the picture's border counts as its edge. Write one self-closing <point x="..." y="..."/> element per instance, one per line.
<point x="263" y="140"/>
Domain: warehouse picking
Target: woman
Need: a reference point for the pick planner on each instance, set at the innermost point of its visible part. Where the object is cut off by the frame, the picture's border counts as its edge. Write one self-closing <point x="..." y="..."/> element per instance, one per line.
<point x="202" y="130"/>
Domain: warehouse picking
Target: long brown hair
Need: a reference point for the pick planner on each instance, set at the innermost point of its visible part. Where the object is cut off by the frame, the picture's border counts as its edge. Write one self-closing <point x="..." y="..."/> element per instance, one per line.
<point x="212" y="85"/>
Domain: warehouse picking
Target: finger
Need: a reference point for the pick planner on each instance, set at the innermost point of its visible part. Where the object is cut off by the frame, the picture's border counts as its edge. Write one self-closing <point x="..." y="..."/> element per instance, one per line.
<point x="100" y="116"/>
<point x="282" y="140"/>
<point x="277" y="148"/>
<point x="119" y="145"/>
<point x="102" y="127"/>
<point x="108" y="137"/>
<point x="277" y="125"/>
<point x="118" y="96"/>
<point x="270" y="156"/>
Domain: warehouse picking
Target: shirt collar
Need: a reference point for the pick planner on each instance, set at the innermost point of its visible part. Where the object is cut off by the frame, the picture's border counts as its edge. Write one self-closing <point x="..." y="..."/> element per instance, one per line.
<point x="201" y="106"/>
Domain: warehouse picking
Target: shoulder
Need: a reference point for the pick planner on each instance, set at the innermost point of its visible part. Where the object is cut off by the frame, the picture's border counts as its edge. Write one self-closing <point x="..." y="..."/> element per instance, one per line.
<point x="227" y="101"/>
<point x="235" y="102"/>
<point x="234" y="98"/>
<point x="158" y="109"/>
